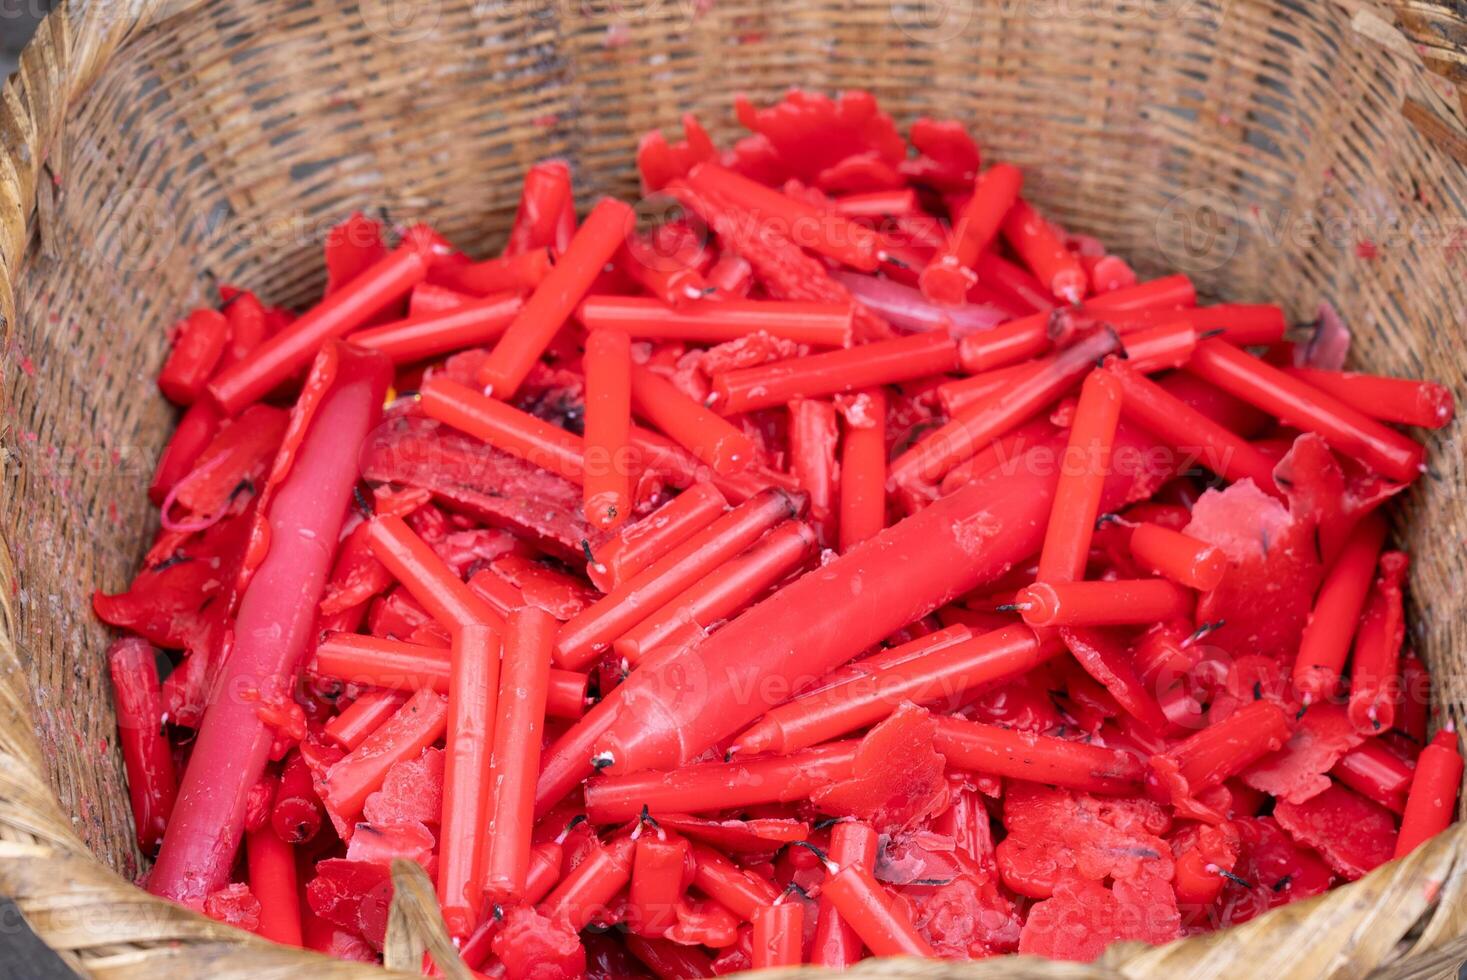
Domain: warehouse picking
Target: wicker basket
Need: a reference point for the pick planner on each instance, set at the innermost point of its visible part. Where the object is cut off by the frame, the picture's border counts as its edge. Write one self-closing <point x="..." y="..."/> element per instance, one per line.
<point x="154" y="149"/>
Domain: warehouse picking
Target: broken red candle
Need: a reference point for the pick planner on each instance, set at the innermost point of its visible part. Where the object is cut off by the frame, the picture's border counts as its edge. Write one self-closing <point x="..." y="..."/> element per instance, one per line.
<point x="1159" y="348"/>
<point x="815" y="324"/>
<point x="723" y="592"/>
<point x="958" y="395"/>
<point x="270" y="867"/>
<point x="1190" y="432"/>
<point x="715" y="442"/>
<point x="419" y="723"/>
<point x="779" y="935"/>
<point x="548" y="307"/>
<point x="1413" y="714"/>
<point x="949" y="276"/>
<point x="836" y="944"/>
<point x="523" y="686"/>
<point x="642" y="542"/>
<point x="473" y="689"/>
<point x="419" y="337"/>
<point x="1215" y="753"/>
<point x="862" y="468"/>
<point x="273" y="627"/>
<point x="821" y="230"/>
<point x="1399" y="400"/>
<point x="593" y="629"/>
<point x="975" y="427"/>
<point x="291" y="348"/>
<point x="198" y="344"/>
<point x="146" y="754"/>
<point x="1083" y="469"/>
<point x="729" y="885"/>
<point x="718" y="785"/>
<point x="1180" y="557"/>
<point x="1116" y="602"/>
<point x="585" y="894"/>
<point x="508" y="273"/>
<point x="414" y="563"/>
<point x="835" y="372"/>
<point x="659" y="869"/>
<point x="1335" y="615"/>
<point x="1044" y="252"/>
<point x="197" y="428"/>
<point x="995" y="751"/>
<point x="1013" y="342"/>
<point x="1376" y="772"/>
<point x="883" y="926"/>
<point x="545" y="193"/>
<point x="607" y="481"/>
<point x="1431" y="805"/>
<point x="813" y="434"/>
<point x="505" y="427"/>
<point x="368" y="713"/>
<point x="296" y="814"/>
<point x="947" y="671"/>
<point x="1375" y="670"/>
<point x="1297" y="403"/>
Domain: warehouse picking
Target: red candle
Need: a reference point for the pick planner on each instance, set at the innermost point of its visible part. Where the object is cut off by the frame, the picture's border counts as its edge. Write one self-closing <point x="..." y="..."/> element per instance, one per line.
<point x="505" y="427"/>
<point x="545" y="194"/>
<point x="414" y="563"/>
<point x="949" y="276"/>
<point x="658" y="882"/>
<point x="585" y="894"/>
<point x="608" y="424"/>
<point x="715" y="442"/>
<point x="1431" y="806"/>
<point x="523" y="685"/>
<point x="878" y="204"/>
<point x="1189" y="431"/>
<point x="1376" y="668"/>
<point x="1374" y="771"/>
<point x="347" y="309"/>
<point x="718" y="785"/>
<point x="275" y="623"/>
<point x="948" y="671"/>
<point x="1302" y="406"/>
<point x="1044" y="252"/>
<point x="665" y="276"/>
<point x="994" y="751"/>
<point x="1159" y="348"/>
<point x="1414" y="711"/>
<point x="816" y="324"/>
<point x="272" y="878"/>
<point x="997" y="275"/>
<point x="419" y="723"/>
<point x="669" y="960"/>
<point x="882" y="925"/>
<point x="509" y="273"/>
<point x="729" y="885"/>
<point x="146" y="754"/>
<point x="837" y="945"/>
<point x="1240" y="324"/>
<point x="367" y="714"/>
<point x="1398" y="400"/>
<point x="297" y="814"/>
<point x="567" y="760"/>
<point x="823" y="231"/>
<point x="548" y="307"/>
<point x="1014" y="342"/>
<point x="426" y="335"/>
<point x="1172" y="292"/>
<point x="1108" y="603"/>
<point x="642" y="542"/>
<point x="1180" y="557"/>
<point x="779" y="935"/>
<point x="1083" y="469"/>
<point x="1215" y="753"/>
<point x="198" y="344"/>
<point x="593" y="629"/>
<point x="813" y="435"/>
<point x="724" y="591"/>
<point x="835" y="372"/>
<point x="473" y="688"/>
<point x="954" y="396"/>
<point x="863" y="468"/>
<point x="860" y="672"/>
<point x="427" y="299"/>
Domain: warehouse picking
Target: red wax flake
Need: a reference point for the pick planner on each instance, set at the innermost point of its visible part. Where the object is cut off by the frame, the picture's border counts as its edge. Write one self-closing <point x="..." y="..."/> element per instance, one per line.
<point x="234" y="905"/>
<point x="1273" y="570"/>
<point x="1084" y="917"/>
<point x="660" y="161"/>
<point x="531" y="946"/>
<point x="750" y="351"/>
<point x="1056" y="834"/>
<point x="1366" y="249"/>
<point x="1277" y="871"/>
<point x="1353" y="834"/>
<point x="739" y="957"/>
<point x="259" y="803"/>
<point x="380" y="843"/>
<point x="867" y="171"/>
<point x="463" y="550"/>
<point x="1329" y="492"/>
<point x="758" y="835"/>
<point x="412" y="791"/>
<point x="897" y="777"/>
<point x="28" y="366"/>
<point x="1024" y="704"/>
<point x="810" y="132"/>
<point x="555" y="592"/>
<point x="354" y="895"/>
<point x="352" y="247"/>
<point x="702" y="923"/>
<point x="947" y="157"/>
<point x="1328" y="346"/>
<point x="1228" y="684"/>
<point x="1299" y="770"/>
<point x="958" y="907"/>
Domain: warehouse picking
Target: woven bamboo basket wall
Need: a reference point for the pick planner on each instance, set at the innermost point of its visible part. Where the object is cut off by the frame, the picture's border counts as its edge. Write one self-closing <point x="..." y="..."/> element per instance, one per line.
<point x="150" y="150"/>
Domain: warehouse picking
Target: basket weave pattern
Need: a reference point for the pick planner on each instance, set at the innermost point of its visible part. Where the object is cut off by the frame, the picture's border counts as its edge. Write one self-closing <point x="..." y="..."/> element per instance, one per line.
<point x="151" y="150"/>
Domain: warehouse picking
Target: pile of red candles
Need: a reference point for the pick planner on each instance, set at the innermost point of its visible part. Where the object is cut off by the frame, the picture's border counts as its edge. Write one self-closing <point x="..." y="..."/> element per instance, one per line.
<point x="851" y="564"/>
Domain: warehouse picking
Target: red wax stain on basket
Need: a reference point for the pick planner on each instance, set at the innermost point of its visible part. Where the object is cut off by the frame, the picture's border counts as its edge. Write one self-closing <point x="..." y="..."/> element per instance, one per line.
<point x="633" y="743"/>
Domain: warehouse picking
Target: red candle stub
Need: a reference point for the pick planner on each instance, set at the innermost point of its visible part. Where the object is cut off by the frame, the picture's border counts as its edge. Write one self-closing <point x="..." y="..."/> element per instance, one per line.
<point x="846" y="561"/>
